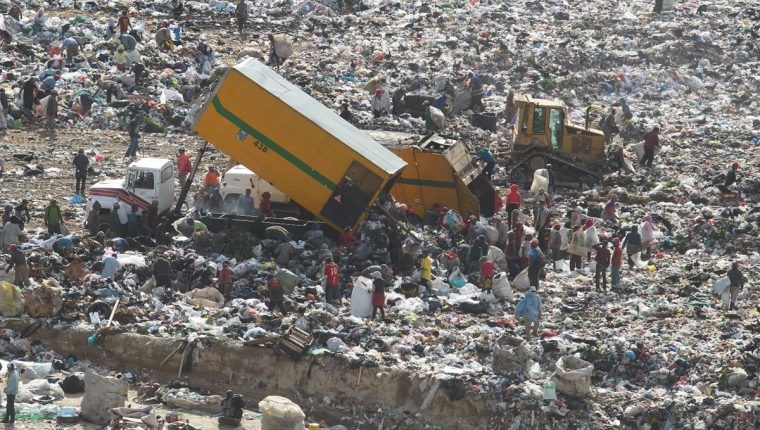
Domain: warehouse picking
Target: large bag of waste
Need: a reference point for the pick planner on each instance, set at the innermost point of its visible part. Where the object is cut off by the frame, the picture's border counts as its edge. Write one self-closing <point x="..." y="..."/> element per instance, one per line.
<point x="497" y="256"/>
<point x="361" y="298"/>
<point x="572" y="376"/>
<point x="457" y="279"/>
<point x="43" y="301"/>
<point x="636" y="258"/>
<point x="638" y="149"/>
<point x="437" y="117"/>
<point x="208" y="297"/>
<point x="540" y="180"/>
<point x="11" y="300"/>
<point x="522" y="282"/>
<point x="282" y="47"/>
<point x="501" y="288"/>
<point x="280" y="413"/>
<point x="491" y="233"/>
<point x="721" y="286"/>
<point x="510" y="353"/>
<point x="73" y="383"/>
<point x="102" y="394"/>
<point x="288" y="280"/>
<point x="528" y="308"/>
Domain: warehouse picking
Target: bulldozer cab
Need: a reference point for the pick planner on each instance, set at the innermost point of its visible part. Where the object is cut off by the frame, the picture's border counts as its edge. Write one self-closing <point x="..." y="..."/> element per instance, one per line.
<point x="542" y="126"/>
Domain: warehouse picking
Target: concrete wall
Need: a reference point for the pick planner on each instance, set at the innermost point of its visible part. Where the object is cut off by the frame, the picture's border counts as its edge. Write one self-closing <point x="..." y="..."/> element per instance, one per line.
<point x="257" y="372"/>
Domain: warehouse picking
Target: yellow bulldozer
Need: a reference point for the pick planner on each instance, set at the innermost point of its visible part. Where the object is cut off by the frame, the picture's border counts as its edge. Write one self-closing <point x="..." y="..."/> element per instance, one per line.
<point x="542" y="135"/>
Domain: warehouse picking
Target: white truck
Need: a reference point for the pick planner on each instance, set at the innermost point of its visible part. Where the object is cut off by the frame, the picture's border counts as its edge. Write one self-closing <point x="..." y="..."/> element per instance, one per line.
<point x="151" y="180"/>
<point x="148" y="181"/>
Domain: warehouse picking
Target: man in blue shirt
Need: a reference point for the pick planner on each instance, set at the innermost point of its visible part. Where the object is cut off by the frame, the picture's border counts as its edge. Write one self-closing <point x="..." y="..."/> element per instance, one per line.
<point x="110" y="267"/>
<point x="11" y="389"/>
<point x="487" y="157"/>
<point x="246" y="203"/>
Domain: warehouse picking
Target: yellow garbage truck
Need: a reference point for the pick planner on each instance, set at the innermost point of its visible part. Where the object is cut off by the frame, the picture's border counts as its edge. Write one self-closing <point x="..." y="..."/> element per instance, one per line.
<point x="301" y="147"/>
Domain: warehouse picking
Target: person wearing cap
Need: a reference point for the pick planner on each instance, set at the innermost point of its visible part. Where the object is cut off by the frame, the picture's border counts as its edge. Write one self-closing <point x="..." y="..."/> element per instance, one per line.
<point x="487" y="272"/>
<point x="514" y="200"/>
<point x="378" y="295"/>
<point x="536" y="262"/>
<point x="380" y="103"/>
<point x="498" y="200"/>
<point x="81" y="162"/>
<point x="18" y="260"/>
<point x="602" y="263"/>
<point x="212" y="179"/>
<point x="651" y="142"/>
<point x="529" y="310"/>
<point x="730" y="178"/>
<point x="120" y="59"/>
<point x="184" y="166"/>
<point x="276" y="294"/>
<point x="11" y="390"/>
<point x="616" y="261"/>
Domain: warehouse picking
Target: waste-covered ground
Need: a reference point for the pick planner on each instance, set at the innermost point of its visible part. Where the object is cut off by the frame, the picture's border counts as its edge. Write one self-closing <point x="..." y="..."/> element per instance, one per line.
<point x="660" y="352"/>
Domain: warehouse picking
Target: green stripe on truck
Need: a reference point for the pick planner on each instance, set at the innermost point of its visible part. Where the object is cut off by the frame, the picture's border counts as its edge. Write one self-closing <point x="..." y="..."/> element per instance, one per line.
<point x="284" y="153"/>
<point x="426" y="183"/>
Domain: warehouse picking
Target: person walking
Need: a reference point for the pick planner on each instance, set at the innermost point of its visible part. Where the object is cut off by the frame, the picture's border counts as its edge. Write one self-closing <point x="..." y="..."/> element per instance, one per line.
<point x="536" y="262"/>
<point x="241" y="15"/>
<point x="18" y="260"/>
<point x="332" y="281"/>
<point x="134" y="134"/>
<point x="378" y="295"/>
<point x="514" y="200"/>
<point x="736" y="277"/>
<point x="616" y="261"/>
<point x="632" y="244"/>
<point x="53" y="218"/>
<point x="81" y="163"/>
<point x="11" y="389"/>
<point x="528" y="309"/>
<point x="184" y="166"/>
<point x="651" y="142"/>
<point x="602" y="263"/>
<point x="426" y="271"/>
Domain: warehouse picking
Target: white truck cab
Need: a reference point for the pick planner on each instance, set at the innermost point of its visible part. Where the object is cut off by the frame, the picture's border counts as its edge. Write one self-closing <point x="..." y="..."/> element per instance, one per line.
<point x="238" y="178"/>
<point x="148" y="181"/>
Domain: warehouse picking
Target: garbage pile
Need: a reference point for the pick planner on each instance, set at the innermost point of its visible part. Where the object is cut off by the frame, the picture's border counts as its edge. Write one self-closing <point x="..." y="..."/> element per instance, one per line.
<point x="668" y="345"/>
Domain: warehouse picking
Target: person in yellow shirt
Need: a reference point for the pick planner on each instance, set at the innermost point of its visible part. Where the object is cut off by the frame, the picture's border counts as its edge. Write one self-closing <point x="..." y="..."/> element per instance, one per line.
<point x="426" y="271"/>
<point x="120" y="59"/>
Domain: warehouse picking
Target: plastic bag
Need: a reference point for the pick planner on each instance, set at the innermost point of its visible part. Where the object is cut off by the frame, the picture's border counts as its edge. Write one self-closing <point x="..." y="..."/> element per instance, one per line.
<point x="361" y="298"/>
<point x="572" y="376"/>
<point x="282" y="47"/>
<point x="491" y="233"/>
<point x="501" y="288"/>
<point x="522" y="282"/>
<point x="721" y="286"/>
<point x="11" y="300"/>
<point x="457" y="279"/>
<point x="540" y="180"/>
<point x="280" y="413"/>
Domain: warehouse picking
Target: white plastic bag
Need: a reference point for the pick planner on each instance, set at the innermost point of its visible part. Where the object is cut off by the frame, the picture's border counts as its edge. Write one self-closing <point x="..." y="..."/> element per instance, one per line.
<point x="721" y="286"/>
<point x="501" y="288"/>
<point x="361" y="298"/>
<point x="540" y="180"/>
<point x="522" y="282"/>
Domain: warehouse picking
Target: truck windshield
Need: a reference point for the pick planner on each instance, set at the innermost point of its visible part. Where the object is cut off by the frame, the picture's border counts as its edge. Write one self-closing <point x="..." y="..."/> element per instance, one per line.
<point x="555" y="126"/>
<point x="539" y="120"/>
<point x="143" y="180"/>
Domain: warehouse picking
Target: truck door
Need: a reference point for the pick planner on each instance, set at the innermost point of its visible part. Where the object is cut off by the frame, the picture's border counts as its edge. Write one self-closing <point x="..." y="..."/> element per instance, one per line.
<point x="165" y="195"/>
<point x="352" y="196"/>
<point x="143" y="184"/>
<point x="556" y="127"/>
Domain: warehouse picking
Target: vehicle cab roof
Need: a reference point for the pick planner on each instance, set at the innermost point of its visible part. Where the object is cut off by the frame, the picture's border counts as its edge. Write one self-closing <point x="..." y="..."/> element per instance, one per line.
<point x="149" y="163"/>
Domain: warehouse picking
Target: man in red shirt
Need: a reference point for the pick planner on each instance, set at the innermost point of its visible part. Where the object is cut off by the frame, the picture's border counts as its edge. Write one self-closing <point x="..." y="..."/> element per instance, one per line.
<point x="183" y="166"/>
<point x="332" y="281"/>
<point x="498" y="201"/>
<point x="124" y="24"/>
<point x="487" y="272"/>
<point x="347" y="238"/>
<point x="616" y="261"/>
<point x="514" y="200"/>
<point x="225" y="280"/>
<point x="651" y="141"/>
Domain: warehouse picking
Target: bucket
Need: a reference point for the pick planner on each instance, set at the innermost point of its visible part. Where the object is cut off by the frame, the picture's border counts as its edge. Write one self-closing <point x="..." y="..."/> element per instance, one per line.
<point x="176" y="33"/>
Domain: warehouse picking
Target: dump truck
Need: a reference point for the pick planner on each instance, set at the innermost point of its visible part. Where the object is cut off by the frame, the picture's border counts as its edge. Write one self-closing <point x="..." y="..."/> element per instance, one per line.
<point x="440" y="172"/>
<point x="544" y="136"/>
<point x="296" y="144"/>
